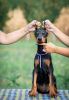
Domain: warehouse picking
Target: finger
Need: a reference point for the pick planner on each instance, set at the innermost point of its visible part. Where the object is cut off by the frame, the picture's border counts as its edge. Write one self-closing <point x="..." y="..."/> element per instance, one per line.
<point x="41" y="43"/>
<point x="33" y="22"/>
<point x="44" y="47"/>
<point x="42" y="26"/>
<point x="38" y="23"/>
<point x="50" y="30"/>
<point x="44" y="50"/>
<point x="32" y="29"/>
<point x="45" y="27"/>
<point x="38" y="27"/>
<point x="43" y="22"/>
<point x="47" y="22"/>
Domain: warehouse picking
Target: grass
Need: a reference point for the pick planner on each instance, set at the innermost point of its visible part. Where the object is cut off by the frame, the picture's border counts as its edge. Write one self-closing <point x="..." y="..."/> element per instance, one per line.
<point x="17" y="62"/>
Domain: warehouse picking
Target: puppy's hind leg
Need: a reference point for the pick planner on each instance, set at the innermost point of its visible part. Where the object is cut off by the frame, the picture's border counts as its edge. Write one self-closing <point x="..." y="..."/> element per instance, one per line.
<point x="55" y="85"/>
<point x="52" y="81"/>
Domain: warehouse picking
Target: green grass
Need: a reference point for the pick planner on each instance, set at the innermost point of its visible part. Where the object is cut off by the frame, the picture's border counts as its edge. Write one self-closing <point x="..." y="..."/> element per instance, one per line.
<point x="17" y="63"/>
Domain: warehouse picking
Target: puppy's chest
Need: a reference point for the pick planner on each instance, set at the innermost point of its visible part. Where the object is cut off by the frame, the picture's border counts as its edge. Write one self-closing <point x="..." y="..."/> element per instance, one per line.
<point x="42" y="62"/>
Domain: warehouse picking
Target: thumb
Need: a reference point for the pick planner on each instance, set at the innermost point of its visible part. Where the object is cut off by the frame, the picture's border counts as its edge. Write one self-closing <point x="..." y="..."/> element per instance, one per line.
<point x="44" y="50"/>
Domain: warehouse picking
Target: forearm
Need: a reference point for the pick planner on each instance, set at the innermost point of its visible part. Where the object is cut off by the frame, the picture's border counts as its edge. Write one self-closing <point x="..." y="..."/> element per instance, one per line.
<point x="61" y="36"/>
<point x="62" y="51"/>
<point x="13" y="36"/>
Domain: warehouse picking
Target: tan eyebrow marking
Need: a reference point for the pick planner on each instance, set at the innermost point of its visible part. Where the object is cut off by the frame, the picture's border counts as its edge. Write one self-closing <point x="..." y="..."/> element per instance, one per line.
<point x="43" y="32"/>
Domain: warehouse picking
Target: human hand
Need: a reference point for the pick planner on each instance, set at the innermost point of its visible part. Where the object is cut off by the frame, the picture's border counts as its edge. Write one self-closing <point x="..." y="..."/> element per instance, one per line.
<point x="49" y="26"/>
<point x="48" y="47"/>
<point x="31" y="26"/>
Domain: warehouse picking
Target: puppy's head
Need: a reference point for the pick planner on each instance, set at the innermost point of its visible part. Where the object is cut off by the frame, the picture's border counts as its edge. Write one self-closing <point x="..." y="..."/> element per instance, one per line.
<point x="41" y="35"/>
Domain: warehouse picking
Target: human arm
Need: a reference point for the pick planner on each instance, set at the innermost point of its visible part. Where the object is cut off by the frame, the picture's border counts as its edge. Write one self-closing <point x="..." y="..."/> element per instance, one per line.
<point x="16" y="35"/>
<point x="51" y="48"/>
<point x="60" y="35"/>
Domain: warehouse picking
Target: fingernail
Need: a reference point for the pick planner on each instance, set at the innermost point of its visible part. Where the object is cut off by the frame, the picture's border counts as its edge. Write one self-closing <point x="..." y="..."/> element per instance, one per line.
<point x="49" y="27"/>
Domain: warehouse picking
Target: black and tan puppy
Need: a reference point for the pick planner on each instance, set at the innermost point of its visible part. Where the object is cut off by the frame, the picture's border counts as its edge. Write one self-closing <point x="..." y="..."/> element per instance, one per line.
<point x="43" y="79"/>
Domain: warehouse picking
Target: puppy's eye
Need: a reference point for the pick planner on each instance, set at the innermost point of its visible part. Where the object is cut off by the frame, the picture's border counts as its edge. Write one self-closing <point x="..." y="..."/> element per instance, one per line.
<point x="43" y="33"/>
<point x="37" y="32"/>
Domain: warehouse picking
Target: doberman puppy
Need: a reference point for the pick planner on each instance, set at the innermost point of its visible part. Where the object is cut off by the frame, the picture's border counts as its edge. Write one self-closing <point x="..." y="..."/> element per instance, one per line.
<point x="43" y="79"/>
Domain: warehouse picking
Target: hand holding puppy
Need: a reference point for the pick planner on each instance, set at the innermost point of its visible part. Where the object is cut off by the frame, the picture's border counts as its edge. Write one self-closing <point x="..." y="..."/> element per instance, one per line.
<point x="49" y="47"/>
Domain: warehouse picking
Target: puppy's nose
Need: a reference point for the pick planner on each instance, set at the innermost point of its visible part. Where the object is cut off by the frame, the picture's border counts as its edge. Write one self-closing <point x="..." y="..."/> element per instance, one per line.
<point x="39" y="39"/>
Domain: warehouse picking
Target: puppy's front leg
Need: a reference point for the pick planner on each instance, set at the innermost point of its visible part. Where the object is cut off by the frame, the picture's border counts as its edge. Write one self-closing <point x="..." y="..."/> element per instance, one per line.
<point x="52" y="89"/>
<point x="32" y="93"/>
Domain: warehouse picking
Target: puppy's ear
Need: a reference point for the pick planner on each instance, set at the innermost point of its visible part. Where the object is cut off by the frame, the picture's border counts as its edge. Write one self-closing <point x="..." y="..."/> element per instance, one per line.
<point x="44" y="25"/>
<point x="46" y="34"/>
<point x="36" y="28"/>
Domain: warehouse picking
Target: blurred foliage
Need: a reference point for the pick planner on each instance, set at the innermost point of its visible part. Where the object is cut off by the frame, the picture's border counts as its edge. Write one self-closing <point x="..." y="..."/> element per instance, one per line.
<point x="43" y="9"/>
<point x="33" y="9"/>
<point x="4" y="8"/>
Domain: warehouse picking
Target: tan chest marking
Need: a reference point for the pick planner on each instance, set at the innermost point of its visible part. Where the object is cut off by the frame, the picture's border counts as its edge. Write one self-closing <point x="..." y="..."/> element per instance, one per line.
<point x="36" y="62"/>
<point x="47" y="61"/>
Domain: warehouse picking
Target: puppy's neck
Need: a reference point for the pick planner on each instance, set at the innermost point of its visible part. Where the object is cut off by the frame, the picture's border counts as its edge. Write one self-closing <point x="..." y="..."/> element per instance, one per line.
<point x="40" y="48"/>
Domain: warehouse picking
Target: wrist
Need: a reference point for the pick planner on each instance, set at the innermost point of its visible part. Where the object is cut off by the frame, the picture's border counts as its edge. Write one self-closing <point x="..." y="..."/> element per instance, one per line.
<point x="54" y="29"/>
<point x="55" y="49"/>
<point x="24" y="30"/>
<point x="27" y="29"/>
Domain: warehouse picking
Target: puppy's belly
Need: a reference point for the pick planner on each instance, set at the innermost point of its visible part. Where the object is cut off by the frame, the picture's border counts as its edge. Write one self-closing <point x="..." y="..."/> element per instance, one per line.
<point x="43" y="88"/>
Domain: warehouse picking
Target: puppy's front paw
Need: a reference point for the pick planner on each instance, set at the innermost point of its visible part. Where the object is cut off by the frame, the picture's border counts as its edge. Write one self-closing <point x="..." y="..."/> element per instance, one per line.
<point x="52" y="91"/>
<point x="33" y="92"/>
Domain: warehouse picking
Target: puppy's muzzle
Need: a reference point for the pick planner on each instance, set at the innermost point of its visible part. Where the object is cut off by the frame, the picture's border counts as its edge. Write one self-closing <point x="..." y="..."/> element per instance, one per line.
<point x="39" y="39"/>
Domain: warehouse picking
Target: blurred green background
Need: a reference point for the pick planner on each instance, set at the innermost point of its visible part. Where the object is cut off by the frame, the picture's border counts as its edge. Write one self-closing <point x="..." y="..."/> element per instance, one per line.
<point x="17" y="60"/>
